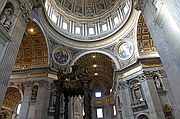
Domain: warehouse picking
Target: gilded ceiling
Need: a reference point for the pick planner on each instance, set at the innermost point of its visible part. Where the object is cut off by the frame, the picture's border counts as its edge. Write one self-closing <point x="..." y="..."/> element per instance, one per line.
<point x="100" y="68"/>
<point x="12" y="98"/>
<point x="33" y="49"/>
<point x="145" y="42"/>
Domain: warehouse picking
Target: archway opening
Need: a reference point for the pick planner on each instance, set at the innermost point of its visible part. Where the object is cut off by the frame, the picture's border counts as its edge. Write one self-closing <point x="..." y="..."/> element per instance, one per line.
<point x="100" y="68"/>
<point x="10" y="104"/>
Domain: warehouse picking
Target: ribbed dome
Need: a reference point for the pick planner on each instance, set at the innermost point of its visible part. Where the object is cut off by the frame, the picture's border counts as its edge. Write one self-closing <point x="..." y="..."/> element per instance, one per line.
<point x="86" y="8"/>
<point x="88" y="21"/>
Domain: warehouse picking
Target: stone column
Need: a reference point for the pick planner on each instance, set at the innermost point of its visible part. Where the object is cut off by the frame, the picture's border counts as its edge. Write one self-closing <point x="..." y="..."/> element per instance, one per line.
<point x="42" y="101"/>
<point x="126" y="101"/>
<point x="87" y="100"/>
<point x="165" y="31"/>
<point x="151" y="98"/>
<point x="25" y="104"/>
<point x="12" y="47"/>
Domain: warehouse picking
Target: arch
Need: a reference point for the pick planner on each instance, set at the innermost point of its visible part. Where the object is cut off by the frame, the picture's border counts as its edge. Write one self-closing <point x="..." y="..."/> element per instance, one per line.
<point x="105" y="52"/>
<point x="142" y="116"/>
<point x="20" y="91"/>
<point x="100" y="67"/>
<point x="12" y="98"/>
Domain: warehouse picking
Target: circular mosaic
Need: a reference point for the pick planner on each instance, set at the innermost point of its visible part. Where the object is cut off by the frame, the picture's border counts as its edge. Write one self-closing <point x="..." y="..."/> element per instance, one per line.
<point x="61" y="56"/>
<point x="125" y="50"/>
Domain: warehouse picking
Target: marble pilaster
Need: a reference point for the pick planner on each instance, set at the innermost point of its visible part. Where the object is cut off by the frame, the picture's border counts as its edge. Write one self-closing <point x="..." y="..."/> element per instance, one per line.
<point x="165" y="33"/>
<point x="42" y="101"/>
<point x="10" y="52"/>
<point x="126" y="101"/>
<point x="152" y="99"/>
<point x="25" y="104"/>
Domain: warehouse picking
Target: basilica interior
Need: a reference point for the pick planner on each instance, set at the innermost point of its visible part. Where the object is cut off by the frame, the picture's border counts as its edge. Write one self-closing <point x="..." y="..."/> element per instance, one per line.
<point x="89" y="59"/>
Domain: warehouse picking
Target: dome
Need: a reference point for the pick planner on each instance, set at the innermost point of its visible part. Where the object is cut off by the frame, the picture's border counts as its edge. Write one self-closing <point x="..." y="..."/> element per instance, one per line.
<point x="87" y="20"/>
<point x="83" y="9"/>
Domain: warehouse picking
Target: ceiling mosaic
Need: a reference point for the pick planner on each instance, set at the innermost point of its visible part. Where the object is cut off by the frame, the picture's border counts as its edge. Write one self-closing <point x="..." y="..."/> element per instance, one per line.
<point x="33" y="49"/>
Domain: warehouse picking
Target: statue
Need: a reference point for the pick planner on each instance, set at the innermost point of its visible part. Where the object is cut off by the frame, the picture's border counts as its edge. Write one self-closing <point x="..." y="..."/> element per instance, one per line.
<point x="5" y="18"/>
<point x="34" y="92"/>
<point x="158" y="83"/>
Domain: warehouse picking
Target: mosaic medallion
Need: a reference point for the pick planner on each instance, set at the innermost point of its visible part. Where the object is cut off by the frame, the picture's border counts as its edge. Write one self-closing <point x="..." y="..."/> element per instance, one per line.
<point x="61" y="56"/>
<point x="125" y="50"/>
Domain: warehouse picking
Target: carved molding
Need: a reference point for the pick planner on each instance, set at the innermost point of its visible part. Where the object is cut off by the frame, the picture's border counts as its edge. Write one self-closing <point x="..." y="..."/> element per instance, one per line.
<point x="139" y="4"/>
<point x="25" y="12"/>
<point x="42" y="83"/>
<point x="123" y="85"/>
<point x="151" y="73"/>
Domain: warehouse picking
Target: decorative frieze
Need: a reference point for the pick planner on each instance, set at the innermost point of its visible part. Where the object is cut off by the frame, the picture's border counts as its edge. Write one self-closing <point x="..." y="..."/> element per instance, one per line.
<point x="151" y="73"/>
<point x="42" y="83"/>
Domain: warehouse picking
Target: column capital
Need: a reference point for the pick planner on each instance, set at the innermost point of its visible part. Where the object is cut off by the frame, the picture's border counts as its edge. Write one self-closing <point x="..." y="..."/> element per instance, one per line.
<point x="123" y="84"/>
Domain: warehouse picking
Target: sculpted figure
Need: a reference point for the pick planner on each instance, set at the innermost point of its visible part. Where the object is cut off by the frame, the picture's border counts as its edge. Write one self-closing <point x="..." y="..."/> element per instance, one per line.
<point x="5" y="18"/>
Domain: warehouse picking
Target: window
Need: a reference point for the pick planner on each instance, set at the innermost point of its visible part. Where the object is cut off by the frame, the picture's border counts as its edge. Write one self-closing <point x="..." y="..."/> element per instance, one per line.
<point x="114" y="110"/>
<point x="77" y="30"/>
<point x="104" y="27"/>
<point x="18" y="108"/>
<point x="46" y="5"/>
<point x="97" y="94"/>
<point x="65" y="25"/>
<point x="91" y="31"/>
<point x="116" y="20"/>
<point x="54" y="18"/>
<point x="110" y="90"/>
<point x="125" y="9"/>
<point x="99" y="113"/>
